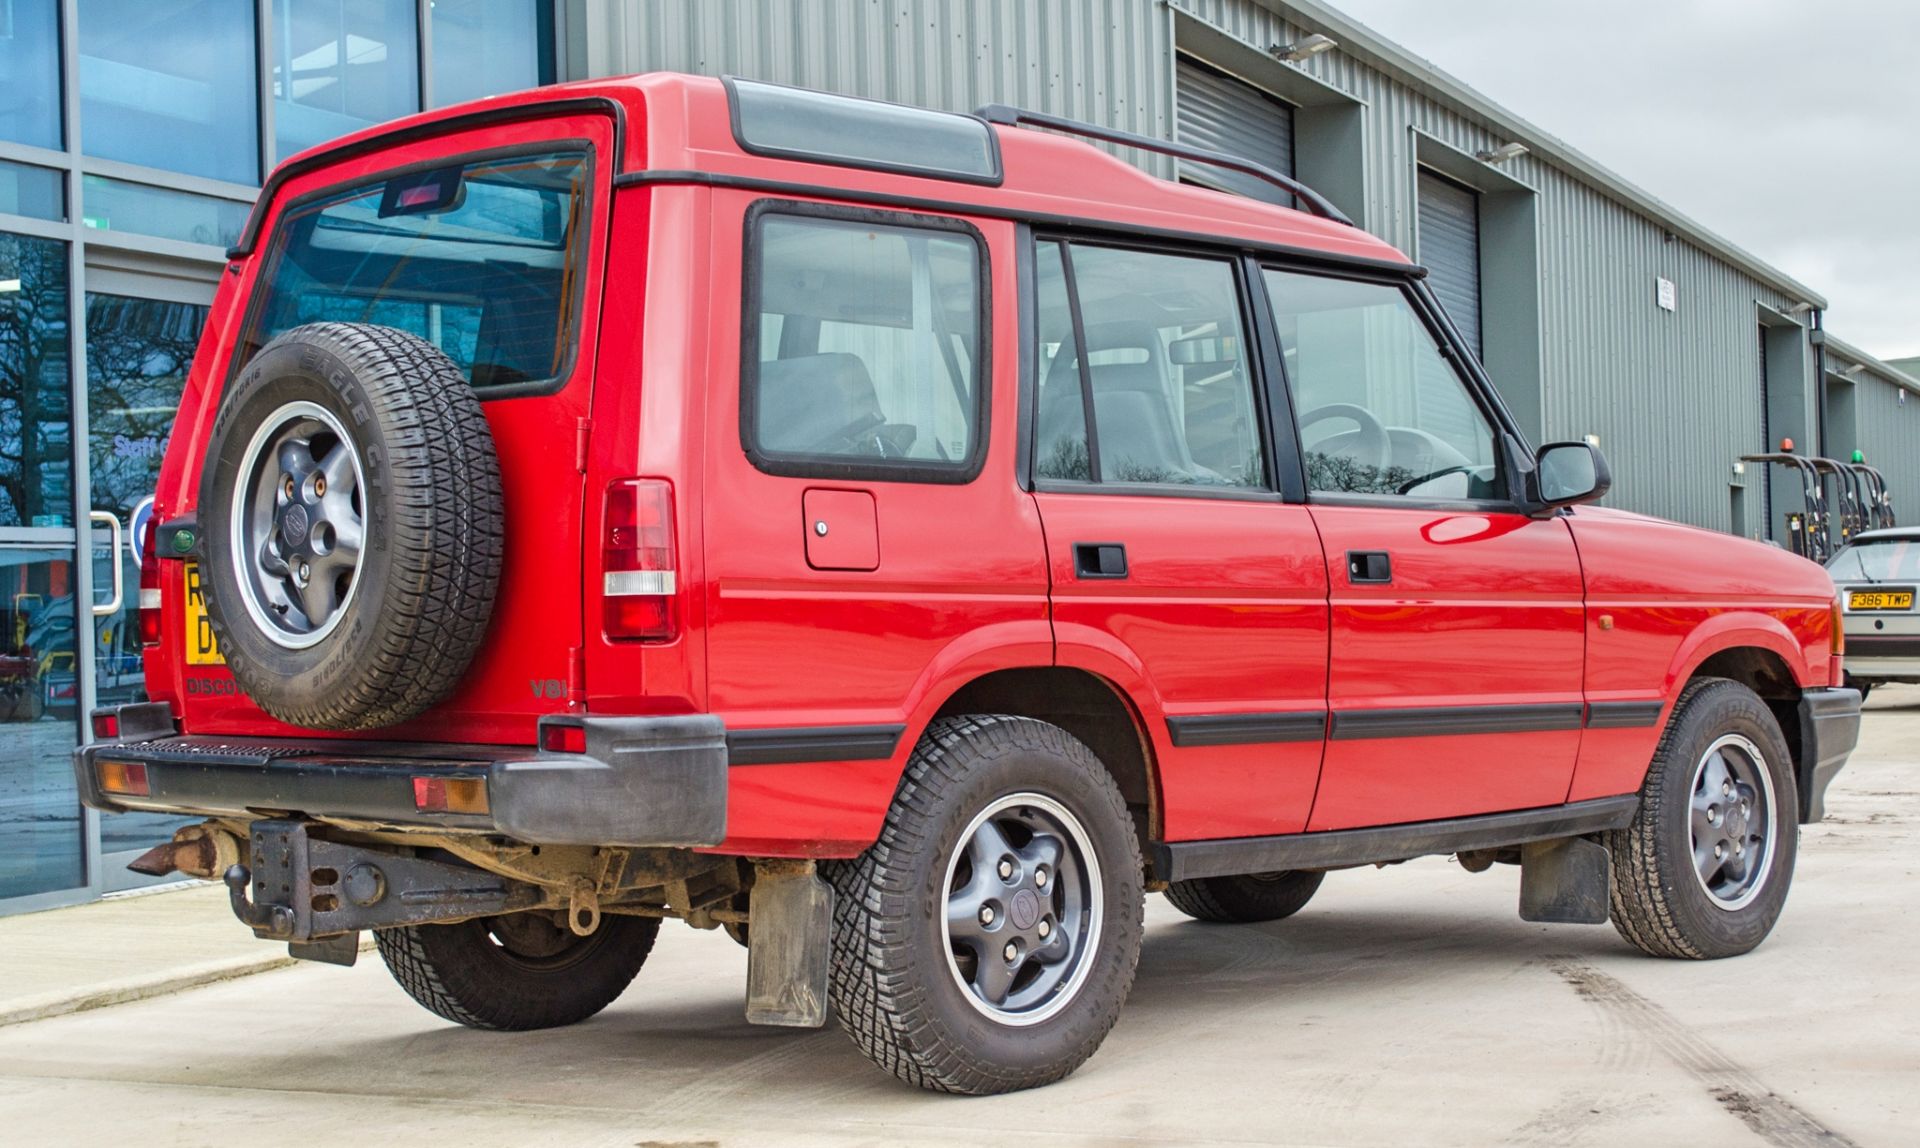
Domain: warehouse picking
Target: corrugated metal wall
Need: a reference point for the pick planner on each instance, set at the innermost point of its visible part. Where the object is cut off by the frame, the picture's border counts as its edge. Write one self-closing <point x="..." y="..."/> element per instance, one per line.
<point x="1673" y="396"/>
<point x="1107" y="61"/>
<point x="1888" y="431"/>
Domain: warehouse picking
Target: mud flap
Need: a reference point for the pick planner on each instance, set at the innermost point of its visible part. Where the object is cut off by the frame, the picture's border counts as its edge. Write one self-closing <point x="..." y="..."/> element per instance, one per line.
<point x="1564" y="882"/>
<point x="790" y="918"/>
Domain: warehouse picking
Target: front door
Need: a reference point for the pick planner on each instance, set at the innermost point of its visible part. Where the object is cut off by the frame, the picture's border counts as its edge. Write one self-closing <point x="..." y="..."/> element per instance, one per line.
<point x="1177" y="567"/>
<point x="1457" y="638"/>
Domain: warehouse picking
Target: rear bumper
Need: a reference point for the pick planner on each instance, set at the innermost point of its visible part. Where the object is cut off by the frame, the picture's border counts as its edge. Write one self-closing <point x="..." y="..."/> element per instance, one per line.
<point x="1829" y="729"/>
<point x="643" y="781"/>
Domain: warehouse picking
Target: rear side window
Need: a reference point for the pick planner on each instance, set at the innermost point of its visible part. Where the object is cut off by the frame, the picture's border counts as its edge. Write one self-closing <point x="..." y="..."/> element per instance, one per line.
<point x="482" y="258"/>
<point x="866" y="346"/>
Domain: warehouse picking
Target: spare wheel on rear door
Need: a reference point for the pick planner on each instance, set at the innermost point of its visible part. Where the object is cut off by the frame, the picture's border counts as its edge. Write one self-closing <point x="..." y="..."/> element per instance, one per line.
<point x="350" y="513"/>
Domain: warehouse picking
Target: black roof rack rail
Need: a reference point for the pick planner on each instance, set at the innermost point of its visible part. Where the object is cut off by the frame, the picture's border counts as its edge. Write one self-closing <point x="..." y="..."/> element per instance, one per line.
<point x="1009" y="116"/>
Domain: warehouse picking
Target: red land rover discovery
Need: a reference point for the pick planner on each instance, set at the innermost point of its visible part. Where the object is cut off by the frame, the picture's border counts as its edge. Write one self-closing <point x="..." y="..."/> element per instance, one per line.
<point x="903" y="540"/>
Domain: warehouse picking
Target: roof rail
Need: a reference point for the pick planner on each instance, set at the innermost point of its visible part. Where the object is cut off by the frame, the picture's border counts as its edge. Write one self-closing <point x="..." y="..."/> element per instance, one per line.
<point x="1009" y="116"/>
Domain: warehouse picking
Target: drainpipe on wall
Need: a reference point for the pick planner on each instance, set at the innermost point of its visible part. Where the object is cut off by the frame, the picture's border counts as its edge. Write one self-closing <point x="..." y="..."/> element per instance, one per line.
<point x="1817" y="335"/>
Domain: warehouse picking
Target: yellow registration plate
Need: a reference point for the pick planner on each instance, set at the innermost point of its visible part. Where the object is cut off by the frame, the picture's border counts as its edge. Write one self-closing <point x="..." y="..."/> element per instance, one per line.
<point x="1880" y="600"/>
<point x="202" y="650"/>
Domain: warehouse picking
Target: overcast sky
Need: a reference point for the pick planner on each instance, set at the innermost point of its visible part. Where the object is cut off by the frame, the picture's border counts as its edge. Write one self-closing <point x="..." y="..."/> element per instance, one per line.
<point x="1788" y="127"/>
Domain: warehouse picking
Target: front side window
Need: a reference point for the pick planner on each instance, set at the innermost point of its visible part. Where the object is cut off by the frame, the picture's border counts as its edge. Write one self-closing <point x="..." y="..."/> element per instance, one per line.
<point x="1381" y="410"/>
<point x="481" y="258"/>
<point x="1163" y="372"/>
<point x="868" y="348"/>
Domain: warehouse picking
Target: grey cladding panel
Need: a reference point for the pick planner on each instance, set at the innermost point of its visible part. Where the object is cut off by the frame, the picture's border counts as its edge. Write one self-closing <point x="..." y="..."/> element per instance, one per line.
<point x="1221" y="113"/>
<point x="1450" y="247"/>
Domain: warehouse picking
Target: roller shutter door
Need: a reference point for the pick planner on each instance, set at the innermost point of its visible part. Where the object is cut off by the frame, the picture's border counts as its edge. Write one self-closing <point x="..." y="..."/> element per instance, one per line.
<point x="1450" y="248"/>
<point x="1221" y="113"/>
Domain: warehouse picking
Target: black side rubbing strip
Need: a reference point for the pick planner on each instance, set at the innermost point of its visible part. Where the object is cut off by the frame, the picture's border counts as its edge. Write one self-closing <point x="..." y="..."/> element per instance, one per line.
<point x="812" y="743"/>
<point x="1441" y="721"/>
<point x="1624" y="715"/>
<point x="1247" y="729"/>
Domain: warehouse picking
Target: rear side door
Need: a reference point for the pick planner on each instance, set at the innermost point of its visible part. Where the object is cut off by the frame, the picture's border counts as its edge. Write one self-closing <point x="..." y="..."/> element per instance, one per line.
<point x="866" y="544"/>
<point x="1181" y="570"/>
<point x="489" y="243"/>
<point x="1455" y="678"/>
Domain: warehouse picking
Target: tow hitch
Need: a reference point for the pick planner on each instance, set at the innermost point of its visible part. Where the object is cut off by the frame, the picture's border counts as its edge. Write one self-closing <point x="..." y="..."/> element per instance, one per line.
<point x="317" y="895"/>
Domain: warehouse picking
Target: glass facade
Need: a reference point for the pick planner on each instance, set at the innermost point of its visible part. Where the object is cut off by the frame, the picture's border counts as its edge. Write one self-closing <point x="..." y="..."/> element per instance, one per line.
<point x="163" y="212"/>
<point x="36" y="425"/>
<point x="171" y="85"/>
<point x="34" y="192"/>
<point x="339" y="66"/>
<point x="112" y="232"/>
<point x="30" y="72"/>
<point x="481" y="48"/>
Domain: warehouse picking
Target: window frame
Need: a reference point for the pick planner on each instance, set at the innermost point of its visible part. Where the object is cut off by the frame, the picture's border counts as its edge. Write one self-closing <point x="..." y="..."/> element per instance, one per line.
<point x="956" y="472"/>
<point x="260" y="285"/>
<point x="1414" y="288"/>
<point x="1280" y="484"/>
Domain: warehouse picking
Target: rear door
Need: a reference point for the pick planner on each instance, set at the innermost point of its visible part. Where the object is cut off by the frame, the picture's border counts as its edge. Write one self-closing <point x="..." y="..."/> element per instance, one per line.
<point x="866" y="545"/>
<point x="1457" y="633"/>
<point x="1179" y="567"/>
<point x="489" y="244"/>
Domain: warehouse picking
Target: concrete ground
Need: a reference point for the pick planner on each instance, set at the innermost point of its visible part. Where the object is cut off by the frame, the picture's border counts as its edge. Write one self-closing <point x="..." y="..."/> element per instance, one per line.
<point x="1407" y="1006"/>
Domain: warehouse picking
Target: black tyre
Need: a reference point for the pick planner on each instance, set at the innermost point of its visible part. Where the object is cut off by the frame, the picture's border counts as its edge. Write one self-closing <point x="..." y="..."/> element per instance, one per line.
<point x="1247" y="898"/>
<point x="987" y="941"/>
<point x="1703" y="870"/>
<point x="517" y="972"/>
<point x="350" y="521"/>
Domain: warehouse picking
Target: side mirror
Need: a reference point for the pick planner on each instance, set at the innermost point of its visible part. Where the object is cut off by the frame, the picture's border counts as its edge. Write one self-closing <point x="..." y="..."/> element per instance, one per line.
<point x="1569" y="473"/>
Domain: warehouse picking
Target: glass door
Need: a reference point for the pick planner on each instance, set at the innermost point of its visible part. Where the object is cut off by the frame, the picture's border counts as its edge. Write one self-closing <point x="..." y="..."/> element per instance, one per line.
<point x="139" y="350"/>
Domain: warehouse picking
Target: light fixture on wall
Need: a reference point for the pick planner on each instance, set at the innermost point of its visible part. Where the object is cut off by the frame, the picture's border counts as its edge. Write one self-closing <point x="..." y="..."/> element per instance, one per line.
<point x="1850" y="372"/>
<point x="1303" y="48"/>
<point x="1502" y="154"/>
<point x="1800" y="308"/>
<point x="8" y="286"/>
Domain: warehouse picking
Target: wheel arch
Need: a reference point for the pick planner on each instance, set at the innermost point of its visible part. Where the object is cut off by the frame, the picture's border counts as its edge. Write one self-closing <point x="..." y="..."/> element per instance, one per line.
<point x="1086" y="705"/>
<point x="1768" y="674"/>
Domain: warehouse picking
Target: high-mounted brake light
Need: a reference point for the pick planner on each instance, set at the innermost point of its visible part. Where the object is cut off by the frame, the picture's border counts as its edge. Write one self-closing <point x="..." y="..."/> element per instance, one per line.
<point x="149" y="589"/>
<point x="638" y="598"/>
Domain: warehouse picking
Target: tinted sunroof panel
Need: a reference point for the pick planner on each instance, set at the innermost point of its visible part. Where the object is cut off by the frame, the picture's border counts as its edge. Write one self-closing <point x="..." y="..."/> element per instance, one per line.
<point x="795" y="123"/>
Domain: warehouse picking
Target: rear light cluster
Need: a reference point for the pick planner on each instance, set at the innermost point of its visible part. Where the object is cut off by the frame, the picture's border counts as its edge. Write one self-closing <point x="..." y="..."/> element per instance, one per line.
<point x="1837" y="644"/>
<point x="127" y="778"/>
<point x="638" y="600"/>
<point x="149" y="589"/>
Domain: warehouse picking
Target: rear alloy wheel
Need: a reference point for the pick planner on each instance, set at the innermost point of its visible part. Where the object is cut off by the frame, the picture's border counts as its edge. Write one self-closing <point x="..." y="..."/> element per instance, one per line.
<point x="1703" y="870"/>
<point x="1246" y="898"/>
<point x="987" y="941"/>
<point x="517" y="972"/>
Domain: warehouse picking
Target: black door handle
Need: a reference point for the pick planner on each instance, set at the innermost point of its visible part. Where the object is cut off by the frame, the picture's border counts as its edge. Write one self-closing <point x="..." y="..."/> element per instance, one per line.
<point x="1369" y="567"/>
<point x="1099" y="560"/>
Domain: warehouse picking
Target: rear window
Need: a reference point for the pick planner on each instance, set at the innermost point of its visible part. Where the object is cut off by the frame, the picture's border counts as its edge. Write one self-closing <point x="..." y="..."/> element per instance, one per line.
<point x="480" y="257"/>
<point x="1888" y="559"/>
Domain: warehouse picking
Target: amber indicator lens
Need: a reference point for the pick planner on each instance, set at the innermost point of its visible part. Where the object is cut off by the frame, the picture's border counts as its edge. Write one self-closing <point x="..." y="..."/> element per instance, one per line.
<point x="450" y="794"/>
<point x="128" y="778"/>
